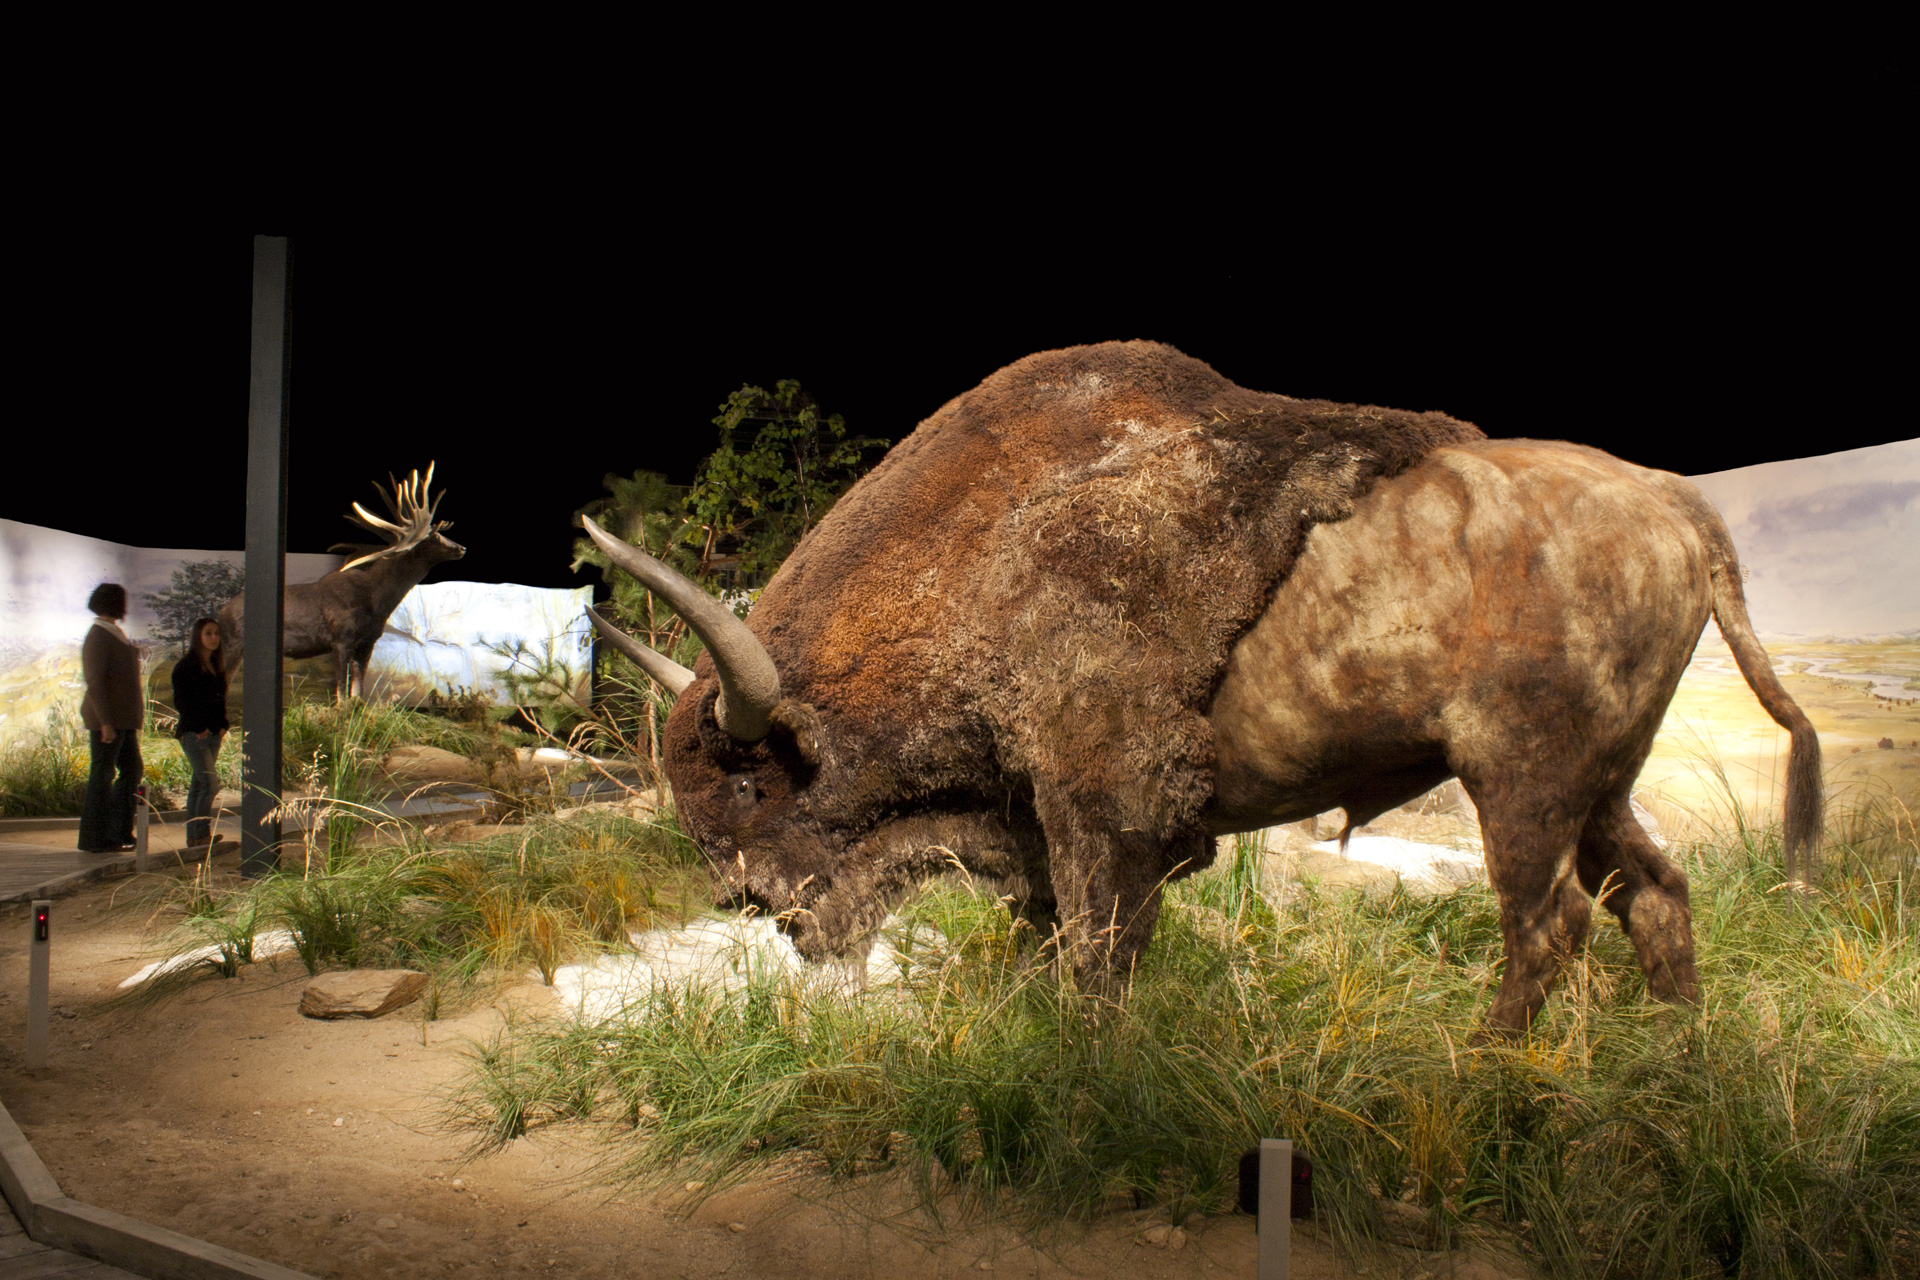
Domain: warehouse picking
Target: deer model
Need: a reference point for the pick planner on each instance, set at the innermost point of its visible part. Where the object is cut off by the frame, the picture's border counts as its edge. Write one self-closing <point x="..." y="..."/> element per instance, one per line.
<point x="345" y="612"/>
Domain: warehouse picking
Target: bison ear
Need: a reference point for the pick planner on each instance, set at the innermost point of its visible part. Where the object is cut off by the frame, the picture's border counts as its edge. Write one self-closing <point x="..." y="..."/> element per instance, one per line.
<point x="803" y="722"/>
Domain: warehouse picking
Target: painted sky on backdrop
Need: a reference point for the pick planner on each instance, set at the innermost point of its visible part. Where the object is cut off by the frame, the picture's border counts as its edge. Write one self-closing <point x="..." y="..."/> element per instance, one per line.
<point x="1831" y="544"/>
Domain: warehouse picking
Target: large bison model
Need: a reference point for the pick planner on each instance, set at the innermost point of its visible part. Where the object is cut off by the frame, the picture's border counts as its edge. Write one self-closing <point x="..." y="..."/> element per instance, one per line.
<point x="1108" y="606"/>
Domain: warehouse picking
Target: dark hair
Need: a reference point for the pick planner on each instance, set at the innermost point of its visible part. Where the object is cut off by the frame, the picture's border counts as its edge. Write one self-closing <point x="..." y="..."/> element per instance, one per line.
<point x="109" y="600"/>
<point x="214" y="660"/>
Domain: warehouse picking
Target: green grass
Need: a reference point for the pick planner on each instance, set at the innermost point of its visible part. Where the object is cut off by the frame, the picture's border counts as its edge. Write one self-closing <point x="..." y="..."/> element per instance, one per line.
<point x="319" y="738"/>
<point x="46" y="775"/>
<point x="1775" y="1131"/>
<point x="539" y="898"/>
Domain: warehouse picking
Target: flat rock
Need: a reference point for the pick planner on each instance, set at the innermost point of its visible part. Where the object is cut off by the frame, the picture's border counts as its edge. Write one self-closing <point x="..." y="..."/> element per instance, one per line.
<point x="641" y="806"/>
<point x="361" y="993"/>
<point x="417" y="765"/>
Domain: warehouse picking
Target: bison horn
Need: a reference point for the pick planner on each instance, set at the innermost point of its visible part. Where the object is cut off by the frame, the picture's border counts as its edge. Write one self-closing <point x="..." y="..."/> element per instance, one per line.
<point x="656" y="664"/>
<point x="749" y="683"/>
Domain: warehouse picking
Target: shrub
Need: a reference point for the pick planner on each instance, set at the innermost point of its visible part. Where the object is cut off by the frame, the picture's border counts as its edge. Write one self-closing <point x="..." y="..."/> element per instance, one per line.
<point x="46" y="775"/>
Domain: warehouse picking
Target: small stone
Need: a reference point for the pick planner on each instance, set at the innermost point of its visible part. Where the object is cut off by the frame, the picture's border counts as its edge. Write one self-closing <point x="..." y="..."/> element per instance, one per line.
<point x="1156" y="1235"/>
<point x="458" y="1184"/>
<point x="1176" y="1239"/>
<point x="695" y="1186"/>
<point x="649" y="1112"/>
<point x="985" y="1264"/>
<point x="386" y="1224"/>
<point x="361" y="993"/>
<point x="338" y="1121"/>
<point x="736" y="1227"/>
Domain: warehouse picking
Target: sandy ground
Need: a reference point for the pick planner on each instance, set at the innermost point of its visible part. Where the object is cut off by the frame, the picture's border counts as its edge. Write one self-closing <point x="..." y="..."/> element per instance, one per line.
<point x="225" y="1114"/>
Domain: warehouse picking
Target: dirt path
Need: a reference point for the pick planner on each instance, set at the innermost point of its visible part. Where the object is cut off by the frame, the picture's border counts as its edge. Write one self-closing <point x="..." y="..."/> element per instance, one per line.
<point x="225" y="1114"/>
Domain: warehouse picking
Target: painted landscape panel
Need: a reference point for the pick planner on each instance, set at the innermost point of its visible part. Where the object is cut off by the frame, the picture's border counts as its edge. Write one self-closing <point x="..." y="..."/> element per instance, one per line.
<point x="444" y="636"/>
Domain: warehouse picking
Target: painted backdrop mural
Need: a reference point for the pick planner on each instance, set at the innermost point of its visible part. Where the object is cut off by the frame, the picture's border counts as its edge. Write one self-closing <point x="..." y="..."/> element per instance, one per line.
<point x="1831" y="549"/>
<point x="506" y="640"/>
<point x="518" y="643"/>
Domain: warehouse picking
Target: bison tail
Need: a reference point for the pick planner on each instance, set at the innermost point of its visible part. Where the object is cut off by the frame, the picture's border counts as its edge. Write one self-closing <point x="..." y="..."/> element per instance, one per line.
<point x="1806" y="797"/>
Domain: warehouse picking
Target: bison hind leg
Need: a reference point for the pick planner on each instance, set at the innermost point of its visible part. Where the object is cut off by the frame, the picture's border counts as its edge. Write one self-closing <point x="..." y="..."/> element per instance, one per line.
<point x="1647" y="893"/>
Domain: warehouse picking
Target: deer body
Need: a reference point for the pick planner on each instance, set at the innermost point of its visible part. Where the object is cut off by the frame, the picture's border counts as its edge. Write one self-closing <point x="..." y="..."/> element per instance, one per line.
<point x="344" y="613"/>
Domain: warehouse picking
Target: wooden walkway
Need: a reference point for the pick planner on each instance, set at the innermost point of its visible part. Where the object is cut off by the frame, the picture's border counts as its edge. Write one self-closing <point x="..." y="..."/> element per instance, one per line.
<point x="35" y="861"/>
<point x="23" y="1259"/>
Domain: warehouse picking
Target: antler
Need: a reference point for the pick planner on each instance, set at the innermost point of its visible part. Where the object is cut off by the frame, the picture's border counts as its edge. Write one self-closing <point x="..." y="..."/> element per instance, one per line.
<point x="409" y="504"/>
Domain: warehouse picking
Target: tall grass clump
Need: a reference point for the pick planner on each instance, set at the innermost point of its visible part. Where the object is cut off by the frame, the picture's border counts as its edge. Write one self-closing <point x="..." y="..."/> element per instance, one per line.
<point x="1772" y="1132"/>
<point x="315" y="735"/>
<point x="542" y="897"/>
<point x="45" y="774"/>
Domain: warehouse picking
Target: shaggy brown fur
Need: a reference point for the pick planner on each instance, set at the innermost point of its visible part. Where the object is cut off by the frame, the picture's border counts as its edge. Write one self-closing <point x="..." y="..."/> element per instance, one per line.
<point x="1026" y="607"/>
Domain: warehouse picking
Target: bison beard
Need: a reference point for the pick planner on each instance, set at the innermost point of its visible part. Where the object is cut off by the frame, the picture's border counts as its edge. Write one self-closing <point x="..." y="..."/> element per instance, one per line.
<point x="1004" y="646"/>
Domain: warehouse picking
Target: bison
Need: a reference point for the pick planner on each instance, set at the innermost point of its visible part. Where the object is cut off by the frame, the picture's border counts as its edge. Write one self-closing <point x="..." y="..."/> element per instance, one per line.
<point x="1108" y="606"/>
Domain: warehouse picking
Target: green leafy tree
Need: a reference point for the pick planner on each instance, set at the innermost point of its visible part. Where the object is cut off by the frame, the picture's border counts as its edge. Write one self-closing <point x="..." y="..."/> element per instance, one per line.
<point x="746" y="510"/>
<point x="752" y="505"/>
<point x="198" y="589"/>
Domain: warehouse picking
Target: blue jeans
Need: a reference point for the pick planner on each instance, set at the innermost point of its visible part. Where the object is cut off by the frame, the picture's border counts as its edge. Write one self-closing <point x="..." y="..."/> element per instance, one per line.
<point x="202" y="754"/>
<point x="106" y="811"/>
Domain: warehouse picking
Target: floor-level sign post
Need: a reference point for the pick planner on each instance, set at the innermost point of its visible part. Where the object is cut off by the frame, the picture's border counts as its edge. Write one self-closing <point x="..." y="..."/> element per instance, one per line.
<point x="37" y="976"/>
<point x="140" y="830"/>
<point x="1275" y="1223"/>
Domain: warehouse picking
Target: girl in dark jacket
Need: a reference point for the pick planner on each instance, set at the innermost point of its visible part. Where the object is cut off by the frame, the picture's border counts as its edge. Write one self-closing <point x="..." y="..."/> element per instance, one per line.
<point x="200" y="698"/>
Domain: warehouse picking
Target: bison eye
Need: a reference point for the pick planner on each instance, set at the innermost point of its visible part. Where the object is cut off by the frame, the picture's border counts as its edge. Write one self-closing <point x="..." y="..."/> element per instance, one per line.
<point x="741" y="787"/>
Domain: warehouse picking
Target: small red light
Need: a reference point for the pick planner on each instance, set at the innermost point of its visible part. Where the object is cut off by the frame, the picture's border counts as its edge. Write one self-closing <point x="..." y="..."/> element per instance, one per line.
<point x="40" y="925"/>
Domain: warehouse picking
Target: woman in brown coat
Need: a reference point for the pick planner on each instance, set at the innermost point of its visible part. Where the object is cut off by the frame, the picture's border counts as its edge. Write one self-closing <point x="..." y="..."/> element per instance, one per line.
<point x="114" y="709"/>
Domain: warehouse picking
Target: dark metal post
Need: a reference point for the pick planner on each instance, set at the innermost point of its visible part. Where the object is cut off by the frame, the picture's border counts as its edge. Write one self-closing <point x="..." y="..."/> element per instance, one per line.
<point x="260" y="713"/>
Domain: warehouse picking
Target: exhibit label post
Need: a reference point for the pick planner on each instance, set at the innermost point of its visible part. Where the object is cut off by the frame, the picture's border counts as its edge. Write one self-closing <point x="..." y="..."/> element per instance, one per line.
<point x="38" y="970"/>
<point x="1275" y="1222"/>
<point x="140" y="808"/>
<point x="260" y="712"/>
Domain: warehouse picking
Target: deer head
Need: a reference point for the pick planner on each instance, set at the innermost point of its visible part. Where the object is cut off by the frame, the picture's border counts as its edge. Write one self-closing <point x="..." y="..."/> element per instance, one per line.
<point x="412" y="524"/>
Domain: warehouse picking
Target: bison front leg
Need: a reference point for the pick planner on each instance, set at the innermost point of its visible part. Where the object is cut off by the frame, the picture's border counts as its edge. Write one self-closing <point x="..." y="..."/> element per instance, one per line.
<point x="1106" y="889"/>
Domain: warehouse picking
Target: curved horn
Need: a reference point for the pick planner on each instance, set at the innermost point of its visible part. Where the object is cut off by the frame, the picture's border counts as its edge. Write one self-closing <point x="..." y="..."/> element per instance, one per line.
<point x="670" y="674"/>
<point x="749" y="683"/>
